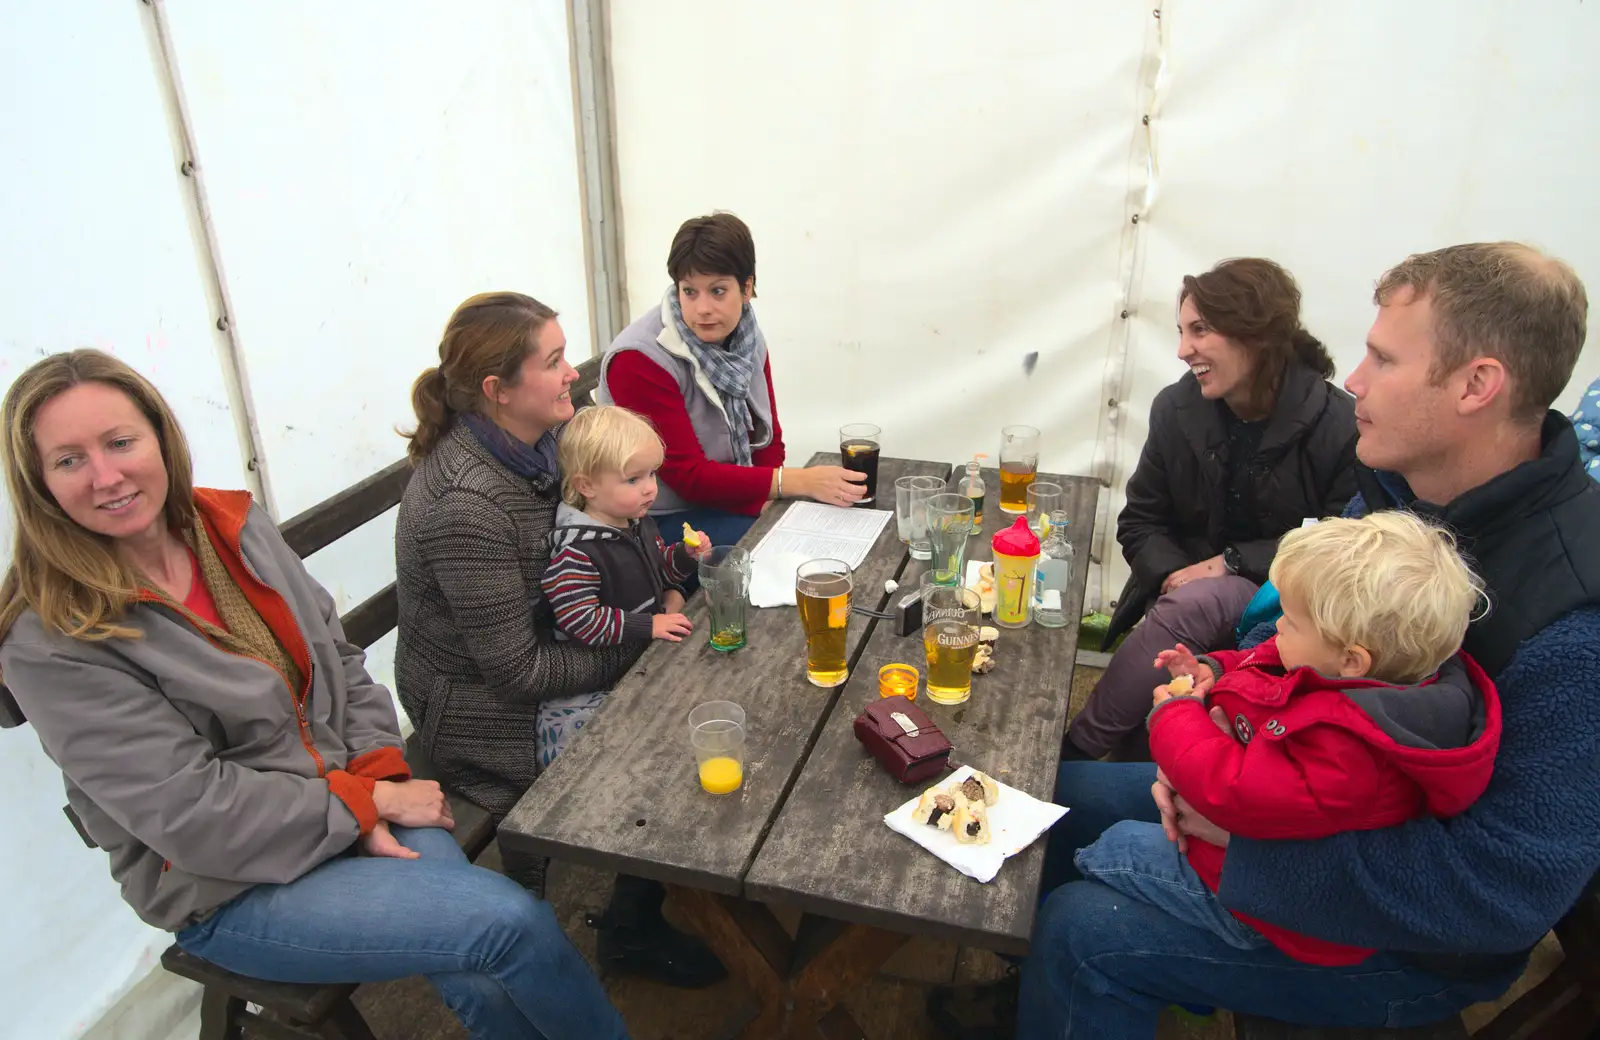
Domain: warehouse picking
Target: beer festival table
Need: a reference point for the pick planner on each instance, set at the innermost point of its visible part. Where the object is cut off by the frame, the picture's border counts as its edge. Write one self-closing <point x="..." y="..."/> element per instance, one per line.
<point x="806" y="828"/>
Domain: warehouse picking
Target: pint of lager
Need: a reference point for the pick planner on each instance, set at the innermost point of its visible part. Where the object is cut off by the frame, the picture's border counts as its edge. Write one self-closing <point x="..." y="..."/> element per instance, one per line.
<point x="950" y="616"/>
<point x="1019" y="464"/>
<point x="822" y="592"/>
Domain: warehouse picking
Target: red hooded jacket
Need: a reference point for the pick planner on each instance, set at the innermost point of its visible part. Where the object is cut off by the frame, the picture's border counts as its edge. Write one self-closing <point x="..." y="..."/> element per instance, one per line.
<point x="1312" y="756"/>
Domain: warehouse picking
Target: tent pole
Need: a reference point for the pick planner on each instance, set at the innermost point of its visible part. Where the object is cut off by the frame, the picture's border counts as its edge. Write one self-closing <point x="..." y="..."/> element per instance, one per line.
<point x="589" y="30"/>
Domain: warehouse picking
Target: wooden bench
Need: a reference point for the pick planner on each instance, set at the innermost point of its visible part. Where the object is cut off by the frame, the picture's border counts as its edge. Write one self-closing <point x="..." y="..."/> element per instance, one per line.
<point x="294" y="1011"/>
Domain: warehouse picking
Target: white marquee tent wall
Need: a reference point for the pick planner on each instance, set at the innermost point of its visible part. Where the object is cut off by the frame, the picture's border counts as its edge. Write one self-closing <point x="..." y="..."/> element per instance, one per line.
<point x="938" y="190"/>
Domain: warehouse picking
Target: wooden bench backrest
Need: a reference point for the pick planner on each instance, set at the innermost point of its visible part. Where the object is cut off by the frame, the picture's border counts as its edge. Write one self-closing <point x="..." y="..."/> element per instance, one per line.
<point x="332" y="519"/>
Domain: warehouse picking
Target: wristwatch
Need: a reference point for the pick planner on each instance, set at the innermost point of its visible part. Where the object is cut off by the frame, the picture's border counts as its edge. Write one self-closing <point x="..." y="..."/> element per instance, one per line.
<point x="1232" y="562"/>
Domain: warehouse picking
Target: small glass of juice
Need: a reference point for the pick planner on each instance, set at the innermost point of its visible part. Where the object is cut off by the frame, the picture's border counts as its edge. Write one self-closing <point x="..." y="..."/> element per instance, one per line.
<point x="716" y="732"/>
<point x="898" y="680"/>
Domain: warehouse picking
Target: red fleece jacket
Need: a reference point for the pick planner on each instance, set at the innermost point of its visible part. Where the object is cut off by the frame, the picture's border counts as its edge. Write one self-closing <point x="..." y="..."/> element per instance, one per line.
<point x="639" y="383"/>
<point x="1312" y="756"/>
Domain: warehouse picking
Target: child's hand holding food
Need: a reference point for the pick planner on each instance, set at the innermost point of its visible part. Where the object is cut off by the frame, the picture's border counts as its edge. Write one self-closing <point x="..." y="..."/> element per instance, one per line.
<point x="697" y="542"/>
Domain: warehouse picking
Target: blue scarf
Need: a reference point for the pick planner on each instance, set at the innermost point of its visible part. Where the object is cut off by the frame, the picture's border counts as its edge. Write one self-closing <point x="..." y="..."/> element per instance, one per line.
<point x="535" y="462"/>
<point x="730" y="366"/>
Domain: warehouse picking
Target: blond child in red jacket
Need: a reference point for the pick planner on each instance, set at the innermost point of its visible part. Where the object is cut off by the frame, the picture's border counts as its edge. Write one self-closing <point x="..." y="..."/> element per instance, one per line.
<point x="1360" y="713"/>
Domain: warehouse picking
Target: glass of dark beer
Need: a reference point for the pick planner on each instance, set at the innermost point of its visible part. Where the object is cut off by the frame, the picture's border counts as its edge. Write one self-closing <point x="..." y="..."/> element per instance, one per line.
<point x="858" y="447"/>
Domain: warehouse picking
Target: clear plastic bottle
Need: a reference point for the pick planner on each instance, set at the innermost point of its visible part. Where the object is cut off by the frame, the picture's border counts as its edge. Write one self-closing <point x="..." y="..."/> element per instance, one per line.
<point x="972" y="486"/>
<point x="1052" y="578"/>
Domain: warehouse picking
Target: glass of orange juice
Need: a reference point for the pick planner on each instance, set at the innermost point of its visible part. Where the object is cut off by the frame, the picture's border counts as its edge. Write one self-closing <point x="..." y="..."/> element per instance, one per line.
<point x="716" y="732"/>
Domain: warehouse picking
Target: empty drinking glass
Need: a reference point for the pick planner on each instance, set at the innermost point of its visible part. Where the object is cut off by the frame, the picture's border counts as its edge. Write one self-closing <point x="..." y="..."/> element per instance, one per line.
<point x="911" y="496"/>
<point x="1044" y="500"/>
<point x="949" y="526"/>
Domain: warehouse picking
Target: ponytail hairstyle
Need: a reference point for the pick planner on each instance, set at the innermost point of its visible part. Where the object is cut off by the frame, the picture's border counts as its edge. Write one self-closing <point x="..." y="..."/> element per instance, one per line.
<point x="1256" y="303"/>
<point x="488" y="335"/>
<point x="71" y="576"/>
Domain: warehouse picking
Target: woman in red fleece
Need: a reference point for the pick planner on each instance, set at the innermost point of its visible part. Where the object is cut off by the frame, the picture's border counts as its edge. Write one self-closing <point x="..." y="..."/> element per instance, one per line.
<point x="696" y="366"/>
<point x="1360" y="713"/>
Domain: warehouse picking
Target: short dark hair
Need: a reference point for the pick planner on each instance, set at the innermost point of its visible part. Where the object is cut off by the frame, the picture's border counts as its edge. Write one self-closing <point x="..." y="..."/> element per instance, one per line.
<point x="1503" y="300"/>
<point x="716" y="245"/>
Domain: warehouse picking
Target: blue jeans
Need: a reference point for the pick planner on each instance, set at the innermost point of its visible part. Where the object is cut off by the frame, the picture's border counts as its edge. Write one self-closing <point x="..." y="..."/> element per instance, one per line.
<point x="1136" y="859"/>
<point x="496" y="955"/>
<point x="1105" y="965"/>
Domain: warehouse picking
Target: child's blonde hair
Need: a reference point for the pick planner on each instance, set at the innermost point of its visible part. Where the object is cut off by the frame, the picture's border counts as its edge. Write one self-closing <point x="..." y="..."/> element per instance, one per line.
<point x="1389" y="582"/>
<point x="601" y="439"/>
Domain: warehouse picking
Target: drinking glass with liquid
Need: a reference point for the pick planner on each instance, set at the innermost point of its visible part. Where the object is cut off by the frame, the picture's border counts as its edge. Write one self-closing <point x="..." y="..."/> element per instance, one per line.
<point x="822" y="592"/>
<point x="1019" y="465"/>
<point x="951" y="617"/>
<point x="717" y="735"/>
<point x="725" y="575"/>
<point x="858" y="450"/>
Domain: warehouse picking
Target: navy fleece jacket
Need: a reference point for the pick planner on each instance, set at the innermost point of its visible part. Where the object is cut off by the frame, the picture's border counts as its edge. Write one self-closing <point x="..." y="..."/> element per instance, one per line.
<point x="1494" y="879"/>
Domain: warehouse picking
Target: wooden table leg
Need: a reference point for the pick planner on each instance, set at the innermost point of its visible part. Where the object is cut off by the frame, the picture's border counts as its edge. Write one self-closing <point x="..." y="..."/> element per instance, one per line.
<point x="753" y="951"/>
<point x="797" y="986"/>
<point x="847" y="961"/>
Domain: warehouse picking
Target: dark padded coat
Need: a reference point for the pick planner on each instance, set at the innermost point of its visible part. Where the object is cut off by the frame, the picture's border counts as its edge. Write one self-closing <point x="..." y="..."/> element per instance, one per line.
<point x="1176" y="498"/>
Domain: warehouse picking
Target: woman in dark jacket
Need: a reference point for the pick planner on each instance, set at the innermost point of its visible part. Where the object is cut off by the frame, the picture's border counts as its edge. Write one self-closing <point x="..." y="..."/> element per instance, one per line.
<point x="1247" y="445"/>
<point x="477" y="658"/>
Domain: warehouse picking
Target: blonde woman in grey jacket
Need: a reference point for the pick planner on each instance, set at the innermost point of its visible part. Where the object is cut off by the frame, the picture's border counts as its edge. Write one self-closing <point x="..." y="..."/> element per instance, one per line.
<point x="222" y="741"/>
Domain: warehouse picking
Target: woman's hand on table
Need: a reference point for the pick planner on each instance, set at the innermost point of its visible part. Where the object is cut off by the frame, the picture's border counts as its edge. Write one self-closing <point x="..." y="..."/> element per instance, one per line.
<point x="380" y="841"/>
<point x="671" y="627"/>
<point x="1212" y="568"/>
<point x="830" y="485"/>
<point x="412" y="803"/>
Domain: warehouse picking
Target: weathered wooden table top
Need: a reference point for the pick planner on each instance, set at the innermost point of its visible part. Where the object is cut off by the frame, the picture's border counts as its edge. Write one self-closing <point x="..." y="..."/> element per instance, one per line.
<point x="830" y="853"/>
<point x="626" y="796"/>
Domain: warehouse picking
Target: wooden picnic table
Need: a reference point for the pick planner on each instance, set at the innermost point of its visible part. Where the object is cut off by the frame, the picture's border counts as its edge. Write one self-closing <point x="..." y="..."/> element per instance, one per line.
<point x="806" y="828"/>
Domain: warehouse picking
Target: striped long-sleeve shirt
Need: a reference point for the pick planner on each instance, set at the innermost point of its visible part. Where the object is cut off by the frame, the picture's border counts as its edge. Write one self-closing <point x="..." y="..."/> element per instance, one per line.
<point x="605" y="583"/>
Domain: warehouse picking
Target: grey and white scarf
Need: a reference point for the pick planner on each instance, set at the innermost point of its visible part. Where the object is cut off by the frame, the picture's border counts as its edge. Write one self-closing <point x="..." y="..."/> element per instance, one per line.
<point x="730" y="366"/>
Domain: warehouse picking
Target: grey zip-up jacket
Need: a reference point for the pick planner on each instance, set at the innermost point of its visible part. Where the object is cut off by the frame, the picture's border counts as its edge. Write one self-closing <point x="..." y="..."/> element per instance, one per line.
<point x="195" y="767"/>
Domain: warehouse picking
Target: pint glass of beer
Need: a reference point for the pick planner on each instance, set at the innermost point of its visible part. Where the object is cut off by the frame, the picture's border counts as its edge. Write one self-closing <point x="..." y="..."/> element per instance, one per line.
<point x="1019" y="464"/>
<point x="950" y="621"/>
<point x="822" y="592"/>
<point x="858" y="448"/>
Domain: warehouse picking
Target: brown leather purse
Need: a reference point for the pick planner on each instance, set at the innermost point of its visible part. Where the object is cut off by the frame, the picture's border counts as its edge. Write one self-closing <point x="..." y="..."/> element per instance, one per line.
<point x="902" y="737"/>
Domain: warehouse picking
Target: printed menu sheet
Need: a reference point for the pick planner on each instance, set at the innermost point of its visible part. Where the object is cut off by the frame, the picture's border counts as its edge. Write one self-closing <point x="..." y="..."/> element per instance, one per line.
<point x="813" y="530"/>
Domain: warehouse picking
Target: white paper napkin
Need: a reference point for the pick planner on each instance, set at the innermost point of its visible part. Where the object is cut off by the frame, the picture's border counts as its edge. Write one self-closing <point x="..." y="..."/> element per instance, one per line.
<point x="772" y="578"/>
<point x="1015" y="821"/>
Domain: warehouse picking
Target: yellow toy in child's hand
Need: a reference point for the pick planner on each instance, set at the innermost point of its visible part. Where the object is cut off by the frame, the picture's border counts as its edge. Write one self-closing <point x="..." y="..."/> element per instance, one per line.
<point x="690" y="538"/>
<point x="1181" y="685"/>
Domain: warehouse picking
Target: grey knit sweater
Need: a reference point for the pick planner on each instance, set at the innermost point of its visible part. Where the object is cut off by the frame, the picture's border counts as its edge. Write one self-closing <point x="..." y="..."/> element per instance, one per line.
<point x="476" y="648"/>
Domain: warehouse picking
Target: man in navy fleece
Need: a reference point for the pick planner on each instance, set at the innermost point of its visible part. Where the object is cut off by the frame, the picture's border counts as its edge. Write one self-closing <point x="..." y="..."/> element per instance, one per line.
<point x="1470" y="346"/>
